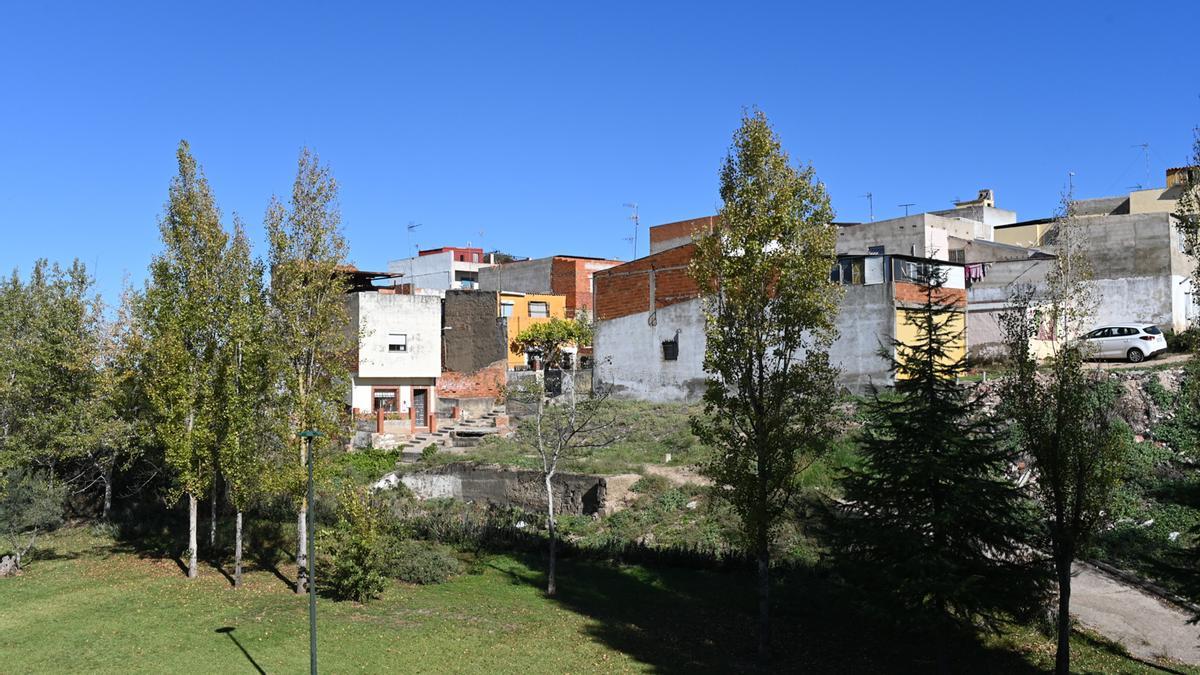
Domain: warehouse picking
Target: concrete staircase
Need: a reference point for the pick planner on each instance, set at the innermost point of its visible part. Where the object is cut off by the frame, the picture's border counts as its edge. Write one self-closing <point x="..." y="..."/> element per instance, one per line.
<point x="454" y="435"/>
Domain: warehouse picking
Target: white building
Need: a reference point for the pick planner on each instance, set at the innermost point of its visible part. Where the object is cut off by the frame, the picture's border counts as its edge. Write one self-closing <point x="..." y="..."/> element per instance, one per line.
<point x="441" y="269"/>
<point x="399" y="353"/>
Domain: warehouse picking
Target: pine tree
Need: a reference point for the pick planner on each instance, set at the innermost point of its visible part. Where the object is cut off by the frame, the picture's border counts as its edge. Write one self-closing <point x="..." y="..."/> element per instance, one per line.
<point x="935" y="526"/>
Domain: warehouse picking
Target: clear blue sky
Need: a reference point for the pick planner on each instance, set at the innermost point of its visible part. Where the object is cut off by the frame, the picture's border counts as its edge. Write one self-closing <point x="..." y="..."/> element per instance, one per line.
<point x="534" y="123"/>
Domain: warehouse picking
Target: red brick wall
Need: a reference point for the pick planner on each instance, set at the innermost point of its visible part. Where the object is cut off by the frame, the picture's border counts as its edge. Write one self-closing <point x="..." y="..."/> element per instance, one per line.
<point x="625" y="289"/>
<point x="483" y="383"/>
<point x="682" y="228"/>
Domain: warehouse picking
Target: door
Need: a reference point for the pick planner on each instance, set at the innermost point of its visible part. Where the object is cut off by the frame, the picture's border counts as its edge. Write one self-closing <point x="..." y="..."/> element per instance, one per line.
<point x="1128" y="339"/>
<point x="1110" y="343"/>
<point x="420" y="406"/>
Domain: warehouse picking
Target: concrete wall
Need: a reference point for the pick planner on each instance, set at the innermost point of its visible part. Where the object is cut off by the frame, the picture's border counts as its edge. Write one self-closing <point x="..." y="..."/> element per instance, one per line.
<point x="418" y="317"/>
<point x="629" y="355"/>
<point x="526" y="276"/>
<point x="575" y="494"/>
<point x="920" y="234"/>
<point x="473" y="336"/>
<point x="865" y="325"/>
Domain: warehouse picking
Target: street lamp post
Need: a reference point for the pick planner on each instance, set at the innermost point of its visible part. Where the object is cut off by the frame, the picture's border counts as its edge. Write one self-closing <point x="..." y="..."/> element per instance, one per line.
<point x="308" y="437"/>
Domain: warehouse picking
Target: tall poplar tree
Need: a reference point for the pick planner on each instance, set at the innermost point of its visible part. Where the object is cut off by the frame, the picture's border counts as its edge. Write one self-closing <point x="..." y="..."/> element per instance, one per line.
<point x="309" y="316"/>
<point x="246" y="384"/>
<point x="935" y="526"/>
<point x="183" y="324"/>
<point x="770" y="309"/>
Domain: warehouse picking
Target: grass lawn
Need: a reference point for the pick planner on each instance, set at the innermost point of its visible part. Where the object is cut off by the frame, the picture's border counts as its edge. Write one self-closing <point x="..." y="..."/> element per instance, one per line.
<point x="85" y="605"/>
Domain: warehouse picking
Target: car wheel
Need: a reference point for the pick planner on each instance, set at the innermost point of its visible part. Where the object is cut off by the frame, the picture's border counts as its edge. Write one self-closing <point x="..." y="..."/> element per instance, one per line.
<point x="1135" y="355"/>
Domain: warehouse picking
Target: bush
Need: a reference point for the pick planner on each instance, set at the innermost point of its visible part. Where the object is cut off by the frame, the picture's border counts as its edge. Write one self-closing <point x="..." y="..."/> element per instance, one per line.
<point x="352" y="557"/>
<point x="651" y="485"/>
<point x="1185" y="341"/>
<point x="429" y="453"/>
<point x="422" y="562"/>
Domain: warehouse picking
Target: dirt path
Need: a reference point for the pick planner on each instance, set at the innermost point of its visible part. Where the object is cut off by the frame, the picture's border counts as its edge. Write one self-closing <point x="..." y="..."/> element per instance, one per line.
<point x="1148" y="627"/>
<point x="1167" y="359"/>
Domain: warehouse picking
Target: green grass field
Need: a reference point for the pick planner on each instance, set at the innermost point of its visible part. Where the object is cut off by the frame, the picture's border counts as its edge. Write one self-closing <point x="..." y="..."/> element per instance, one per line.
<point x="86" y="605"/>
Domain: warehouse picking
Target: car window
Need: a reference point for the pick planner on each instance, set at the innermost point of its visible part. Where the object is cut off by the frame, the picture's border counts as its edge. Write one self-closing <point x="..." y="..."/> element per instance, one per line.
<point x="1104" y="332"/>
<point x="1094" y="334"/>
<point x="1128" y="331"/>
<point x="1153" y="330"/>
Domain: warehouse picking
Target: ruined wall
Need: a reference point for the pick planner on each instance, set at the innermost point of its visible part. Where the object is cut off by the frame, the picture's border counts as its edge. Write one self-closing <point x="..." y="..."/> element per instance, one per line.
<point x="575" y="494"/>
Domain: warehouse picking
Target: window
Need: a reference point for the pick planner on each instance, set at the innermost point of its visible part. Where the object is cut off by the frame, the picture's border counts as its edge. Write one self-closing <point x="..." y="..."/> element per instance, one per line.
<point x="397" y="342"/>
<point x="958" y="255"/>
<point x="506" y="309"/>
<point x="875" y="250"/>
<point x="539" y="309"/>
<point x="386" y="399"/>
<point x="1127" y="331"/>
<point x="1152" y="330"/>
<point x="671" y="349"/>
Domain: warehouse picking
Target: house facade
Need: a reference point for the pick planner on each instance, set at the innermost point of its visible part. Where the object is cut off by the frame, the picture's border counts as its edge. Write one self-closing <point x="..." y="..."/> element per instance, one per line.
<point x="398" y="357"/>
<point x="522" y="310"/>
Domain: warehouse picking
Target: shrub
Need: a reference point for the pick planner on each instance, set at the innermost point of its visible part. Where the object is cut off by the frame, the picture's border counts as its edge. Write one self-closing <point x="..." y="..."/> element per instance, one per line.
<point x="429" y="453"/>
<point x="422" y="562"/>
<point x="352" y="556"/>
<point x="651" y="485"/>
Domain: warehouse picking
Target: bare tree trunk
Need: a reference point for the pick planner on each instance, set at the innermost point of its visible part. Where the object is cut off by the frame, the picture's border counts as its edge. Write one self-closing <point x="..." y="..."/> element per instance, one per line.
<point x="107" y="476"/>
<point x="1062" y="657"/>
<point x="551" y="581"/>
<point x="237" y="552"/>
<point x="212" y="517"/>
<point x="192" y="508"/>
<point x="302" y="551"/>
<point x="764" y="602"/>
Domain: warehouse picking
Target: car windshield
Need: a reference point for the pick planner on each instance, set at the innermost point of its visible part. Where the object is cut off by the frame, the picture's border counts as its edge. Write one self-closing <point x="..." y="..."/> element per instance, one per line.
<point x="1153" y="330"/>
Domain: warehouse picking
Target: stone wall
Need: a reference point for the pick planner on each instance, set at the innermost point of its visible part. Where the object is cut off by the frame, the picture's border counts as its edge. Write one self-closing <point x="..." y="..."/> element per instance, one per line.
<point x="575" y="494"/>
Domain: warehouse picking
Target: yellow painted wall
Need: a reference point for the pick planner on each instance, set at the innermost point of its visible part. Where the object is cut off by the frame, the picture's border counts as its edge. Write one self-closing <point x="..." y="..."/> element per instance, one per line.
<point x="907" y="333"/>
<point x="520" y="319"/>
<point x="1029" y="236"/>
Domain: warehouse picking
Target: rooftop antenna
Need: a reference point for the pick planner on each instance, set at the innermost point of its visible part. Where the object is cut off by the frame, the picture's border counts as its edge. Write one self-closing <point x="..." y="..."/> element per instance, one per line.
<point x="871" y="205"/>
<point x="1146" y="156"/>
<point x="636" y="224"/>
<point x="412" y="281"/>
<point x="906" y="207"/>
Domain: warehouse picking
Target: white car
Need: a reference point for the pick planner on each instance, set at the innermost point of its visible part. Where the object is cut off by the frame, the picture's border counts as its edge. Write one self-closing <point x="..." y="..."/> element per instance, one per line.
<point x="1133" y="341"/>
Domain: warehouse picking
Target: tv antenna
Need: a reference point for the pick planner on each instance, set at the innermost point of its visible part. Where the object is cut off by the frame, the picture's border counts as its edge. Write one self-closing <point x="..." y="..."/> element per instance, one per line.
<point x="871" y="205"/>
<point x="906" y="207"/>
<point x="1146" y="157"/>
<point x="636" y="225"/>
<point x="412" y="227"/>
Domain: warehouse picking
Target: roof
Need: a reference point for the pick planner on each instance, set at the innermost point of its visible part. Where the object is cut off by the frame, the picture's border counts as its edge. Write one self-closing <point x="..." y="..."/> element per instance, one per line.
<point x="1039" y="221"/>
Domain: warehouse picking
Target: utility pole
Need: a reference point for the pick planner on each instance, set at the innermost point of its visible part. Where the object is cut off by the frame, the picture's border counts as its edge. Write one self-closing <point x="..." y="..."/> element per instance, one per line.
<point x="308" y="437"/>
<point x="871" y="205"/>
<point x="636" y="226"/>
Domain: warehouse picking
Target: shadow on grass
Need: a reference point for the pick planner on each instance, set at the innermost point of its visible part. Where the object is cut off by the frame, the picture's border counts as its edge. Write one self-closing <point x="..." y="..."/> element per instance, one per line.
<point x="1102" y="644"/>
<point x="690" y="621"/>
<point x="228" y="631"/>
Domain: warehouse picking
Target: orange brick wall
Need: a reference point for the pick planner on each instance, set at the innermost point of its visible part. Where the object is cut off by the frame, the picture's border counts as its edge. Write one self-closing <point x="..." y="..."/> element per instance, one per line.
<point x="682" y="228"/>
<point x="569" y="278"/>
<point x="913" y="294"/>
<point x="625" y="289"/>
